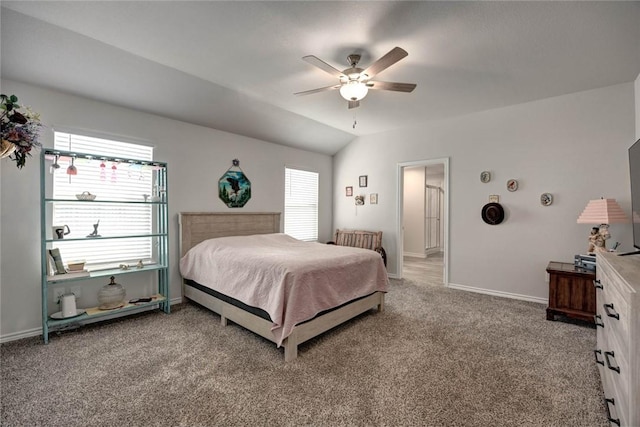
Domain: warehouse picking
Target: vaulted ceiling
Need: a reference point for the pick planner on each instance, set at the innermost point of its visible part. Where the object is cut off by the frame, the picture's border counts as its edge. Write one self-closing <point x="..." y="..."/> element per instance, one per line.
<point x="234" y="66"/>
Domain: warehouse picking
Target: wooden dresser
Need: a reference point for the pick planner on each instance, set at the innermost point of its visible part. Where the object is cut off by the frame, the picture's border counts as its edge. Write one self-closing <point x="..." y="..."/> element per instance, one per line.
<point x="618" y="335"/>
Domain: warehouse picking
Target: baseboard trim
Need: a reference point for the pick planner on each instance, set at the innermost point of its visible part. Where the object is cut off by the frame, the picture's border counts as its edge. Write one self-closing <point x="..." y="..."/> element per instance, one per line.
<point x="14" y="336"/>
<point x="499" y="293"/>
<point x="20" y="335"/>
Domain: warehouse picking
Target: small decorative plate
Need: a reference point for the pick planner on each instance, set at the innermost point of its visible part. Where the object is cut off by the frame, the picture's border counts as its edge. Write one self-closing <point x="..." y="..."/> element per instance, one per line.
<point x="512" y="185"/>
<point x="546" y="199"/>
<point x="485" y="176"/>
<point x="58" y="315"/>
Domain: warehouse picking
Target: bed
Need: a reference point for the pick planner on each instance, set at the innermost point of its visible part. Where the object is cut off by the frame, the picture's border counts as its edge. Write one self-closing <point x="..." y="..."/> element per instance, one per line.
<point x="298" y="317"/>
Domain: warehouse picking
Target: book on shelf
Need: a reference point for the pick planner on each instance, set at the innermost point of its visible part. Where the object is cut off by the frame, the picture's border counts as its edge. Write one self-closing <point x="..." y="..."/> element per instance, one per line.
<point x="58" y="265"/>
<point x="68" y="275"/>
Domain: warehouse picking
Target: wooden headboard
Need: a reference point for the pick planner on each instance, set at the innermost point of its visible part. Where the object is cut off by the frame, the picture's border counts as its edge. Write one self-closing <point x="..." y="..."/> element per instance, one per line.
<point x="196" y="227"/>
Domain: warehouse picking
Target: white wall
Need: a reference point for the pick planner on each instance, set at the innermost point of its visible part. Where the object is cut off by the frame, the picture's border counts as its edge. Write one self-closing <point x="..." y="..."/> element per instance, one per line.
<point x="197" y="158"/>
<point x="573" y="146"/>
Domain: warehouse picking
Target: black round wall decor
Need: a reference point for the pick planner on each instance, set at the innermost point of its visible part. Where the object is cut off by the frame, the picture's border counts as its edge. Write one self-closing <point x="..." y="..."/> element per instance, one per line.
<point x="493" y="213"/>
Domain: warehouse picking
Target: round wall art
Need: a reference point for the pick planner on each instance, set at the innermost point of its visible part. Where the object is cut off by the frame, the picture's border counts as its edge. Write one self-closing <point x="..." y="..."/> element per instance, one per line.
<point x="493" y="213"/>
<point x="546" y="199"/>
<point x="485" y="176"/>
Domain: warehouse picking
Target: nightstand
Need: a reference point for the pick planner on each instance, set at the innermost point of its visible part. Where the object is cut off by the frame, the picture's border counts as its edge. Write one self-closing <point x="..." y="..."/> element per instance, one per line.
<point x="571" y="292"/>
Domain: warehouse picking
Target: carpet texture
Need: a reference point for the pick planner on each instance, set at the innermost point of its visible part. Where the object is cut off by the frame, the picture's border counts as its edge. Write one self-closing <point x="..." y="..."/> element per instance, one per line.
<point x="435" y="357"/>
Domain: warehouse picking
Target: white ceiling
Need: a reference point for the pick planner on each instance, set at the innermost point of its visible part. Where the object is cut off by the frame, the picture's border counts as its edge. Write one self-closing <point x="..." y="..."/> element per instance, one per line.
<point x="234" y="66"/>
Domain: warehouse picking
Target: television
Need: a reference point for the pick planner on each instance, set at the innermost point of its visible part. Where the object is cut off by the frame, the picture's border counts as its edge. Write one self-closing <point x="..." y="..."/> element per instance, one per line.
<point x="634" y="172"/>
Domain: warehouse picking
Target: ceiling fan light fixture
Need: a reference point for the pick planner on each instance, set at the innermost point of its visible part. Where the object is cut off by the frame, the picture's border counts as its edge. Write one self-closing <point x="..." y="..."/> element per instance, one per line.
<point x="354" y="90"/>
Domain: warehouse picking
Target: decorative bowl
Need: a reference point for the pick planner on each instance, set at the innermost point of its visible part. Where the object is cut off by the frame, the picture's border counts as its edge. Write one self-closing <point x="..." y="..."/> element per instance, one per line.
<point x="85" y="196"/>
<point x="76" y="265"/>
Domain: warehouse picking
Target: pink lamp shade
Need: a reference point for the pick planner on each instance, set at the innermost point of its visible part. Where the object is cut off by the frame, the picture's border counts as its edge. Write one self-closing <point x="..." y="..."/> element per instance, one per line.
<point x="602" y="211"/>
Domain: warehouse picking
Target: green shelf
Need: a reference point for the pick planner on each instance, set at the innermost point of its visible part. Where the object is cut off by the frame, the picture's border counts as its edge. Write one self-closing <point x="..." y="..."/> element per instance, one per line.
<point x="105" y="273"/>
<point x="52" y="323"/>
<point x="122" y="202"/>
<point x="160" y="231"/>
<point x="130" y="236"/>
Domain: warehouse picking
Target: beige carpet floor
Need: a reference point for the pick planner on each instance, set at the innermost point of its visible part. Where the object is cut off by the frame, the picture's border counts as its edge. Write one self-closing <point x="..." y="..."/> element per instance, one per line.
<point x="435" y="357"/>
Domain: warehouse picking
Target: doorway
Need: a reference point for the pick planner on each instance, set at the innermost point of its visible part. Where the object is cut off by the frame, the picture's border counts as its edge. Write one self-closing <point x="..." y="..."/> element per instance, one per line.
<point x="422" y="228"/>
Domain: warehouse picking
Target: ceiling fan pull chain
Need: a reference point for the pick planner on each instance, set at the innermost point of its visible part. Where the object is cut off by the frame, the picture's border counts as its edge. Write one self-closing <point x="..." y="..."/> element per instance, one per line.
<point x="354" y="120"/>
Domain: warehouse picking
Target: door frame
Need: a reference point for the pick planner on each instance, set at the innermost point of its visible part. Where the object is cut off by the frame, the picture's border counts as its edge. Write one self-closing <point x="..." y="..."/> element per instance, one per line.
<point x="400" y="212"/>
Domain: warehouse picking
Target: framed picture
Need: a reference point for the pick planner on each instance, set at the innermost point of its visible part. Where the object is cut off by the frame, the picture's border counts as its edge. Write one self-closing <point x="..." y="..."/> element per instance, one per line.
<point x="363" y="180"/>
<point x="373" y="198"/>
<point x="349" y="191"/>
<point x="234" y="189"/>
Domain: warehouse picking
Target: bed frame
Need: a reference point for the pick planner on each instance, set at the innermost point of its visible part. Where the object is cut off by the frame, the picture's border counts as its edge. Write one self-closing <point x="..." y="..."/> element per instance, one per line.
<point x="196" y="227"/>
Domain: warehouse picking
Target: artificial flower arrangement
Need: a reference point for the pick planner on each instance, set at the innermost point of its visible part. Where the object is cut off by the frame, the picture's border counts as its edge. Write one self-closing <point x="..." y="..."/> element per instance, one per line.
<point x="19" y="130"/>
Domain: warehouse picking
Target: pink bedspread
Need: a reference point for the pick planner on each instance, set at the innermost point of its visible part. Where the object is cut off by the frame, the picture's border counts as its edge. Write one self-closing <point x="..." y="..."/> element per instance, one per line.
<point x="290" y="279"/>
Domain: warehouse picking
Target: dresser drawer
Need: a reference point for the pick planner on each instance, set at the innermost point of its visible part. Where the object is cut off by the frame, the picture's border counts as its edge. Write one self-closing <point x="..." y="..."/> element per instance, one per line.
<point x="610" y="285"/>
<point x="615" y="413"/>
<point x="614" y="313"/>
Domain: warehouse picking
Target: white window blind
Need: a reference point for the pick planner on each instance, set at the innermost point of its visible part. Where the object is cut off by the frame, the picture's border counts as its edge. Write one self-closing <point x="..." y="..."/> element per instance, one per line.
<point x="109" y="181"/>
<point x="301" y="204"/>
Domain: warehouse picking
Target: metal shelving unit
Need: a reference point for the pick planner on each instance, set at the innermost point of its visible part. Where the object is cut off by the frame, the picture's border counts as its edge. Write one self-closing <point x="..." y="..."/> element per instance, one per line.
<point x="160" y="234"/>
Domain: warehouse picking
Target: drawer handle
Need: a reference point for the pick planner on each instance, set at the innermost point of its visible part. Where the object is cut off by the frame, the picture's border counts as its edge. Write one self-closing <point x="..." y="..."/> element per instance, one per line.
<point x="608" y="354"/>
<point x="606" y="404"/>
<point x="608" y="308"/>
<point x="597" y="284"/>
<point x="596" y="353"/>
<point x="598" y="320"/>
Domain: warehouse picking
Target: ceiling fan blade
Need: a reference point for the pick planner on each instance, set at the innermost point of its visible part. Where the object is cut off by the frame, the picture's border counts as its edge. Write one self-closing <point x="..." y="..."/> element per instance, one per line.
<point x="398" y="87"/>
<point x="393" y="56"/>
<point x="320" y="89"/>
<point x="354" y="104"/>
<point x="313" y="60"/>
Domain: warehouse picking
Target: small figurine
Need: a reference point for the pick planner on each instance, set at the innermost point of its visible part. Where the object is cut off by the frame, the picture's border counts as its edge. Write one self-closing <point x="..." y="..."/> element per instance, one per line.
<point x="592" y="239"/>
<point x="598" y="238"/>
<point x="140" y="264"/>
<point x="604" y="235"/>
<point x="95" y="230"/>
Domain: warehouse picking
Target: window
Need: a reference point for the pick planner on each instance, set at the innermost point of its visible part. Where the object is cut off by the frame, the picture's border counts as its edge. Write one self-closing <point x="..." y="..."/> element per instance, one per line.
<point x="301" y="204"/>
<point x="109" y="181"/>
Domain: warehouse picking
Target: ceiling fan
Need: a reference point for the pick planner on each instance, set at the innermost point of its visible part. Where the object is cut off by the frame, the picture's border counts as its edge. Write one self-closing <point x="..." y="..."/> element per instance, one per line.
<point x="355" y="82"/>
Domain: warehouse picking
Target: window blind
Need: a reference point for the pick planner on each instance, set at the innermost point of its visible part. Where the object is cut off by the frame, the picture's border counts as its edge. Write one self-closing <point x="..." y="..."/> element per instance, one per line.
<point x="109" y="181"/>
<point x="301" y="204"/>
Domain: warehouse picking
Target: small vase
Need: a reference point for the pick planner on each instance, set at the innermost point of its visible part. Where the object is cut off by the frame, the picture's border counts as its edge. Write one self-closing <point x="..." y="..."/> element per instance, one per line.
<point x="111" y="295"/>
<point x="6" y="148"/>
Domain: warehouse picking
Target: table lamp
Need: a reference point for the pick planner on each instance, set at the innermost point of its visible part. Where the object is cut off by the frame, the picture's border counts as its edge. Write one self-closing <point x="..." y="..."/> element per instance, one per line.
<point x="601" y="212"/>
